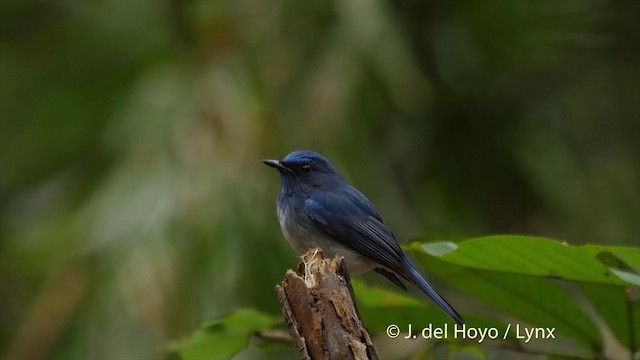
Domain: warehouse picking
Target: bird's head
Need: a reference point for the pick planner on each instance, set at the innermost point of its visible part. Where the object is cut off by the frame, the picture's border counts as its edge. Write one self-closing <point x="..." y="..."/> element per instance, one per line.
<point x="305" y="171"/>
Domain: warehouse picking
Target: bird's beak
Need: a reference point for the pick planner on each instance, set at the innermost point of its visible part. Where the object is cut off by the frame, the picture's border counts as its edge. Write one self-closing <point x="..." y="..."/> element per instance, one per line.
<point x="277" y="164"/>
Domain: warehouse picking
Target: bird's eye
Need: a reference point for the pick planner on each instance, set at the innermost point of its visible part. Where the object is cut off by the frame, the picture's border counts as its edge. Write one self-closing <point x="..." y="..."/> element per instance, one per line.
<point x="306" y="168"/>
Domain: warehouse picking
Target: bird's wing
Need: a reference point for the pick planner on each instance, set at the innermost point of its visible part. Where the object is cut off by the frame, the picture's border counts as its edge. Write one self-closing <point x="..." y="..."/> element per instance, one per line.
<point x="349" y="217"/>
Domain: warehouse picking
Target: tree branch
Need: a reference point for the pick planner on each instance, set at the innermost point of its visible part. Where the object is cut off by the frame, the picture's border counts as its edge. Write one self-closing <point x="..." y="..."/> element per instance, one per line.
<point x="321" y="312"/>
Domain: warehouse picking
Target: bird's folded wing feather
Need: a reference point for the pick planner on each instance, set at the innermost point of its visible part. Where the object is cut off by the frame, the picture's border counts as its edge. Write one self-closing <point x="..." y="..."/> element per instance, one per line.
<point x="350" y="218"/>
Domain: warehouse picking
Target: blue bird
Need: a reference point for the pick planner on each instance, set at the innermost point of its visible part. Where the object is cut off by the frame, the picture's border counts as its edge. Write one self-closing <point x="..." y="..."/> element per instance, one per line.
<point x="318" y="208"/>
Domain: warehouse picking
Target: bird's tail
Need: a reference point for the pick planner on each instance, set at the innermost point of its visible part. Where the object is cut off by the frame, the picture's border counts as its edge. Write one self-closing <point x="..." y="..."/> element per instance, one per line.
<point x="417" y="279"/>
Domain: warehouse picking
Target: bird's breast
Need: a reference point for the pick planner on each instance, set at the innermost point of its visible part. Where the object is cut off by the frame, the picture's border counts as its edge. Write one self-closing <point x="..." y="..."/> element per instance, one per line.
<point x="303" y="234"/>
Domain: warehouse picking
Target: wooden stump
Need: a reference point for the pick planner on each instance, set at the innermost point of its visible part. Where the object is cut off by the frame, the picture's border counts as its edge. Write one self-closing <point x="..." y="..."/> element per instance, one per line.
<point x="321" y="312"/>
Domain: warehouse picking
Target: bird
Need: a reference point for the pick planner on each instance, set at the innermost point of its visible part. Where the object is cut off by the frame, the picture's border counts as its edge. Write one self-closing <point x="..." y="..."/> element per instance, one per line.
<point x="316" y="207"/>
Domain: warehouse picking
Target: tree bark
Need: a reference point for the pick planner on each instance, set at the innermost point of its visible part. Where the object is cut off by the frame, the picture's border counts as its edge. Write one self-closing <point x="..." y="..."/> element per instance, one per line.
<point x="321" y="312"/>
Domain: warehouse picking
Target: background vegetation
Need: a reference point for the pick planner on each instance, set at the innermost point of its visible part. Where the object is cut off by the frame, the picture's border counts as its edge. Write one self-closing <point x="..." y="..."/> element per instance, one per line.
<point x="133" y="205"/>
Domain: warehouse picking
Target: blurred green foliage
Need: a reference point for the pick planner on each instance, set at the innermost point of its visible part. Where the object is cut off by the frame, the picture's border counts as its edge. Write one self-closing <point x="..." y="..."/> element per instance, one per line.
<point x="527" y="308"/>
<point x="132" y="202"/>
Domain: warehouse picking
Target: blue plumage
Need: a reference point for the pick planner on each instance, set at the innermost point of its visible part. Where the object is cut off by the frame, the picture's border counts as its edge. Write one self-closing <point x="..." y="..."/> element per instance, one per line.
<point x="318" y="208"/>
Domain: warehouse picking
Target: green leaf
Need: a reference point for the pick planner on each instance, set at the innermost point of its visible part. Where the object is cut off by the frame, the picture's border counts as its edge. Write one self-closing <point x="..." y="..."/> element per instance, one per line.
<point x="617" y="307"/>
<point x="376" y="297"/>
<point x="538" y="301"/>
<point x="622" y="262"/>
<point x="223" y="338"/>
<point x="541" y="257"/>
<point x="382" y="308"/>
